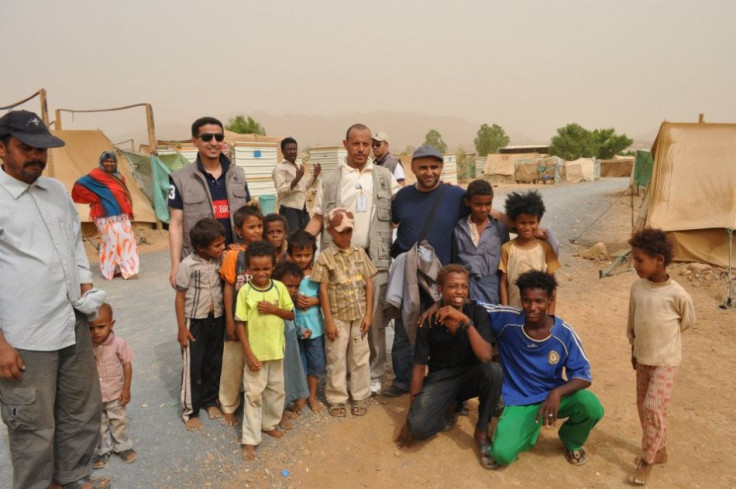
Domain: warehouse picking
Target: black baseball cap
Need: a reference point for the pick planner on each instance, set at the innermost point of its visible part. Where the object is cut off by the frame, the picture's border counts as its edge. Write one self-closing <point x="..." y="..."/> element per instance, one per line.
<point x="29" y="129"/>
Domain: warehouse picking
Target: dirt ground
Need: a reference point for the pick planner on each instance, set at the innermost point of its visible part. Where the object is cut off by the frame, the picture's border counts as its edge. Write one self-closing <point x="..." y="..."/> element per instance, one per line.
<point x="325" y="452"/>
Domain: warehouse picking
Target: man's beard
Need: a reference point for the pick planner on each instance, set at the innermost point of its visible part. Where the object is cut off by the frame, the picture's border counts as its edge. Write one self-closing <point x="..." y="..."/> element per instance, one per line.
<point x="31" y="176"/>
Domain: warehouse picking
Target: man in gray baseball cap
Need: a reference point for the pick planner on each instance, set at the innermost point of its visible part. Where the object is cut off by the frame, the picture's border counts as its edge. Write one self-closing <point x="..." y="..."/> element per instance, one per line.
<point x="49" y="387"/>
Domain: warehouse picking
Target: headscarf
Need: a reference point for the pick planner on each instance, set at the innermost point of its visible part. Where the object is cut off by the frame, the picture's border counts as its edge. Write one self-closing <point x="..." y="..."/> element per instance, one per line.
<point x="109" y="155"/>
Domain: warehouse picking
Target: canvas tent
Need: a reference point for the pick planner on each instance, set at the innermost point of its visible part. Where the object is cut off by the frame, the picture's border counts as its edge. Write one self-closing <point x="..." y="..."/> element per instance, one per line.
<point x="152" y="174"/>
<point x="617" y="167"/>
<point x="692" y="194"/>
<point x="580" y="170"/>
<point x="80" y="155"/>
<point x="501" y="167"/>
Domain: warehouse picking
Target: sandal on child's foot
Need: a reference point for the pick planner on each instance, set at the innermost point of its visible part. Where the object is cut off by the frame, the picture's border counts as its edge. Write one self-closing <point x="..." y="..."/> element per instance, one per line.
<point x="337" y="410"/>
<point x="100" y="461"/>
<point x="128" y="455"/>
<point x="359" y="408"/>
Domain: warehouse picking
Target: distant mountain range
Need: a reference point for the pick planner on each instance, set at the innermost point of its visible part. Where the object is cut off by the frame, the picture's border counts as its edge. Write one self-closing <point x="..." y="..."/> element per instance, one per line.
<point x="404" y="129"/>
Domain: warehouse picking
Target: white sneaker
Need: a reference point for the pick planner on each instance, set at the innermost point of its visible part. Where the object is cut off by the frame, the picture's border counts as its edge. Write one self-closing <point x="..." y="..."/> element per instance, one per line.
<point x="376" y="387"/>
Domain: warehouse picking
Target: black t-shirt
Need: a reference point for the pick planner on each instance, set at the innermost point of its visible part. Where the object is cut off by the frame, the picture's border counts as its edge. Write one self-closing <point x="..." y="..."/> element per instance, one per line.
<point x="438" y="349"/>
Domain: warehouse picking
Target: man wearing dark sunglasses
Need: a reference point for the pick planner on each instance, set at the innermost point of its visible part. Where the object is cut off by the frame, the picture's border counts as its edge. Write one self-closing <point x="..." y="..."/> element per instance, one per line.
<point x="386" y="159"/>
<point x="211" y="187"/>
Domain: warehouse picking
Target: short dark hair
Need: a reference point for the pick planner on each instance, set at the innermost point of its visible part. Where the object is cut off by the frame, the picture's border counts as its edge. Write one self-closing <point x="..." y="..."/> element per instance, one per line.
<point x="356" y="127"/>
<point x="260" y="248"/>
<point x="653" y="242"/>
<point x="244" y="213"/>
<point x="528" y="203"/>
<point x="478" y="187"/>
<point x="286" y="141"/>
<point x="5" y="139"/>
<point x="202" y="121"/>
<point x="536" y="279"/>
<point x="448" y="269"/>
<point x="287" y="268"/>
<point x="301" y="240"/>
<point x="273" y="217"/>
<point x="205" y="232"/>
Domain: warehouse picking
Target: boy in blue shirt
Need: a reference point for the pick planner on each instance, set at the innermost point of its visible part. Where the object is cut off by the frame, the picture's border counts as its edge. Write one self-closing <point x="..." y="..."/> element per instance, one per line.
<point x="477" y="241"/>
<point x="310" y="325"/>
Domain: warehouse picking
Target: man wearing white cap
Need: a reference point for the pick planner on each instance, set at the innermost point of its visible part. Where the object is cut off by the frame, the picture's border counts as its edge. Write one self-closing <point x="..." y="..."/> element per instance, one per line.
<point x="49" y="388"/>
<point x="385" y="158"/>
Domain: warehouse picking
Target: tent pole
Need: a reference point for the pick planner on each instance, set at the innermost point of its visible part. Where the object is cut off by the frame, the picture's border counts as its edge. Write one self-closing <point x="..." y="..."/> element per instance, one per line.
<point x="729" y="301"/>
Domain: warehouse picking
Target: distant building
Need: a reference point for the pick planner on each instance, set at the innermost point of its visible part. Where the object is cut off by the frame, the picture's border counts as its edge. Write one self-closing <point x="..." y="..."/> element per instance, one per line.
<point x="525" y="148"/>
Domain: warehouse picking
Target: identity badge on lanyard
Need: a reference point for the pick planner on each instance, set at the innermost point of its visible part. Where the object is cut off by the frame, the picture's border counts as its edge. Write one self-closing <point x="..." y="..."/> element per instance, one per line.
<point x="361" y="204"/>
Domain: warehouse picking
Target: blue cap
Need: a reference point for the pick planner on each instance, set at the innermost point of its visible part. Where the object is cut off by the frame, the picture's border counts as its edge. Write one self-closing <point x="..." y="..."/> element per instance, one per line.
<point x="427" y="151"/>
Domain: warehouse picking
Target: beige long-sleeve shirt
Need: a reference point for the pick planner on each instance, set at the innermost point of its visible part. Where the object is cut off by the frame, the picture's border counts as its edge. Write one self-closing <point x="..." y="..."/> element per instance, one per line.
<point x="658" y="314"/>
<point x="283" y="174"/>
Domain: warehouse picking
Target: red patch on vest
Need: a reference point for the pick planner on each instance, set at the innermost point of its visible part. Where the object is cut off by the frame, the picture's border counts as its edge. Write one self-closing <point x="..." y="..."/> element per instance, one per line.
<point x="221" y="209"/>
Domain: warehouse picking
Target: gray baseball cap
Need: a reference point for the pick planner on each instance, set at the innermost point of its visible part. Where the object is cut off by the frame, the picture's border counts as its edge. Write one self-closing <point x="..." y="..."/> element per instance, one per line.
<point x="29" y="129"/>
<point x="427" y="151"/>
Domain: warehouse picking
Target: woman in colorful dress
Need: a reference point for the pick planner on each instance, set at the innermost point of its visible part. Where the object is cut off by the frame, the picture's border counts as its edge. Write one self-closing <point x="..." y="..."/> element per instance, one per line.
<point x="111" y="209"/>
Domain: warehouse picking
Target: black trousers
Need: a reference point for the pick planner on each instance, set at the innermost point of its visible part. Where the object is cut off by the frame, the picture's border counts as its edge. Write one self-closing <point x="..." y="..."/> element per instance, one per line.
<point x="442" y="387"/>
<point x="202" y="365"/>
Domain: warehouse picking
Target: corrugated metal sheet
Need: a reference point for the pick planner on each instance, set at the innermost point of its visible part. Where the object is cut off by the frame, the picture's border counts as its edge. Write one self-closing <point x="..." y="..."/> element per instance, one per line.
<point x="258" y="160"/>
<point x="327" y="156"/>
<point x="449" y="169"/>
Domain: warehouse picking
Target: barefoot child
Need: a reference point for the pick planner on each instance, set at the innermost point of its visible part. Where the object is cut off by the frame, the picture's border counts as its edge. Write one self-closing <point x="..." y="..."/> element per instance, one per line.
<point x="114" y="357"/>
<point x="659" y="311"/>
<point x="526" y="251"/>
<point x="274" y="230"/>
<point x="234" y="272"/>
<point x="344" y="274"/>
<point x="477" y="241"/>
<point x="309" y="322"/>
<point x="262" y="306"/>
<point x="295" y="382"/>
<point x="200" y="319"/>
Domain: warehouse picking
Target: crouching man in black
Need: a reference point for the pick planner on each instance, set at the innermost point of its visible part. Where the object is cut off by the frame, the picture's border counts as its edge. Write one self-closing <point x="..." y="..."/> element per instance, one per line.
<point x="455" y="343"/>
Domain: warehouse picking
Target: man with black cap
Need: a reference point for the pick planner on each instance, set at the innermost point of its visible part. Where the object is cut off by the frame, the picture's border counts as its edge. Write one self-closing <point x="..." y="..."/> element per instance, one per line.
<point x="49" y="390"/>
<point x="385" y="158"/>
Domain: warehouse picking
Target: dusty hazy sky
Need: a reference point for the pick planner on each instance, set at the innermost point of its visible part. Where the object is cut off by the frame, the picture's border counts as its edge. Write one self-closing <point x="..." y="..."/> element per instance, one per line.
<point x="529" y="65"/>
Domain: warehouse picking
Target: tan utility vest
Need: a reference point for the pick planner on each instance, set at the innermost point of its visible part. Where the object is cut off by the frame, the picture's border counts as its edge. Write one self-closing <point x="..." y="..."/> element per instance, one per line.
<point x="380" y="233"/>
<point x="195" y="195"/>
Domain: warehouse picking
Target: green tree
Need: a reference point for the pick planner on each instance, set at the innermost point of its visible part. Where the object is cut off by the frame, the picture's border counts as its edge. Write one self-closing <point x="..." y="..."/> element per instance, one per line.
<point x="490" y="139"/>
<point x="434" y="138"/>
<point x="241" y="125"/>
<point x="609" y="143"/>
<point x="572" y="142"/>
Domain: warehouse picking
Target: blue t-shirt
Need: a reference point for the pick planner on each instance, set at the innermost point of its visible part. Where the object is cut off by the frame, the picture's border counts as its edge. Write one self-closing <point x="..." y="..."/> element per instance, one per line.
<point x="410" y="209"/>
<point x="310" y="319"/>
<point x="532" y="368"/>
